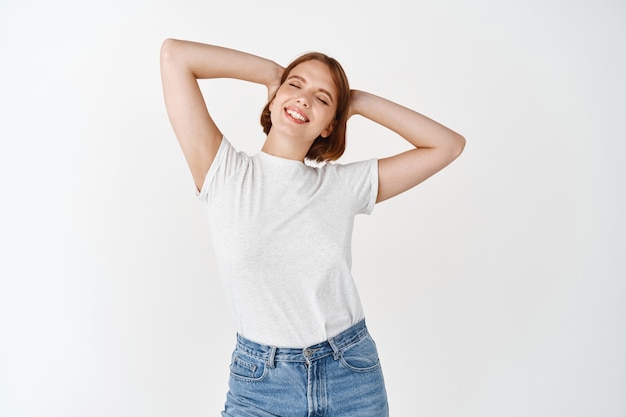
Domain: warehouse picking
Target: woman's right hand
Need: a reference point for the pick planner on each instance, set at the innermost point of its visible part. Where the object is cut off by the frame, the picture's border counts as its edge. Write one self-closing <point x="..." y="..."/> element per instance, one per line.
<point x="274" y="84"/>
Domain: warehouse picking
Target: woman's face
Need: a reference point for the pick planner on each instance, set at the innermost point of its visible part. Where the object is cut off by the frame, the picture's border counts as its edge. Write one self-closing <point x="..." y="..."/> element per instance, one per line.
<point x="305" y="104"/>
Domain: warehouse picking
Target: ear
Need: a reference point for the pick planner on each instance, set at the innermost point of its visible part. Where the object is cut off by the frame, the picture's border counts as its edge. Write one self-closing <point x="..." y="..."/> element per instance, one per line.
<point x="326" y="132"/>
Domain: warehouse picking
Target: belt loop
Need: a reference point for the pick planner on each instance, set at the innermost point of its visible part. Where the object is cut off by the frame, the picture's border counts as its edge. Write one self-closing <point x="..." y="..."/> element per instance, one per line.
<point x="270" y="360"/>
<point x="332" y="344"/>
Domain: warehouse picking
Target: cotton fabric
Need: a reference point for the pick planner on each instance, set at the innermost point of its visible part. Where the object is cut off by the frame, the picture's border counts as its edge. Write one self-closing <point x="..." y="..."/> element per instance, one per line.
<point x="282" y="234"/>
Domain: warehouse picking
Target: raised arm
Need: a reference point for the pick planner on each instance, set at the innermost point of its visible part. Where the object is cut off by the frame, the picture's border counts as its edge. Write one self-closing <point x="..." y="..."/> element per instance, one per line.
<point x="435" y="145"/>
<point x="182" y="64"/>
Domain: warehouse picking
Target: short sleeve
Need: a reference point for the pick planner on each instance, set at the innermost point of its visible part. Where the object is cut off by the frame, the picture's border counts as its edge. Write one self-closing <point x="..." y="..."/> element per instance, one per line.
<point x="227" y="160"/>
<point x="362" y="179"/>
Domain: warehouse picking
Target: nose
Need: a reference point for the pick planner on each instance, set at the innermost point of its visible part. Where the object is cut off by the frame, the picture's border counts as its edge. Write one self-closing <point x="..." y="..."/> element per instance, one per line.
<point x="303" y="101"/>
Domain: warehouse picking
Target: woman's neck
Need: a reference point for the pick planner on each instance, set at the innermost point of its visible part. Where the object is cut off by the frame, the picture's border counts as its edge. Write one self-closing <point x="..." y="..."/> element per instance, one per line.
<point x="288" y="148"/>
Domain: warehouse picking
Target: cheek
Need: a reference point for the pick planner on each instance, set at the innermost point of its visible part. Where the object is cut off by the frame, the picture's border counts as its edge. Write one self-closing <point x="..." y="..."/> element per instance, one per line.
<point x="274" y="112"/>
<point x="330" y="115"/>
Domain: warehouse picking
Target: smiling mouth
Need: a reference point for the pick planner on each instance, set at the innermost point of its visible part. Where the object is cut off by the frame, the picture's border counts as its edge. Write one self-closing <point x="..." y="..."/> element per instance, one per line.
<point x="296" y="115"/>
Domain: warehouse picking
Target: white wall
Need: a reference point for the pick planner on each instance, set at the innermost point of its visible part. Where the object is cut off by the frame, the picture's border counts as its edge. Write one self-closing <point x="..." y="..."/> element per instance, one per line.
<point x="496" y="288"/>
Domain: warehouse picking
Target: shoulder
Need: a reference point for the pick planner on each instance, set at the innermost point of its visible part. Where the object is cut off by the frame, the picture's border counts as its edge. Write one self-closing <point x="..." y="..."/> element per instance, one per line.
<point x="227" y="162"/>
<point x="360" y="178"/>
<point x="354" y="169"/>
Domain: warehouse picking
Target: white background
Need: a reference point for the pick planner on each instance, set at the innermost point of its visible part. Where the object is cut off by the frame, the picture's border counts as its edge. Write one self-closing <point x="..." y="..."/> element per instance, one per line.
<point x="496" y="288"/>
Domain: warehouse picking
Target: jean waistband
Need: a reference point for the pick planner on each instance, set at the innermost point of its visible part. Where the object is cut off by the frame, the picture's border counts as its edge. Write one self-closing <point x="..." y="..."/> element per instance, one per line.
<point x="330" y="347"/>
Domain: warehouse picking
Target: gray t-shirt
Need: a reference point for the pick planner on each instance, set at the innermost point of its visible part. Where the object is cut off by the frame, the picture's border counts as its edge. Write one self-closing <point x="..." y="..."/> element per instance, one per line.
<point x="282" y="234"/>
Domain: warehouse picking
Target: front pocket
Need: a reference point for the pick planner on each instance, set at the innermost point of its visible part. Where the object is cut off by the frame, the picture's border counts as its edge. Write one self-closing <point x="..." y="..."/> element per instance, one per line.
<point x="247" y="368"/>
<point x="361" y="356"/>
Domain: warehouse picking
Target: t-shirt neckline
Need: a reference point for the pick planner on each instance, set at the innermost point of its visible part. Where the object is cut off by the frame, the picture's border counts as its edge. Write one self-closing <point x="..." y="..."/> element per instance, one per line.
<point x="281" y="160"/>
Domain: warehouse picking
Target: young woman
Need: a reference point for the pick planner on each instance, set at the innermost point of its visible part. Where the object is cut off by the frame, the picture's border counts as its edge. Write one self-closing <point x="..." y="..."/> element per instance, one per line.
<point x="282" y="229"/>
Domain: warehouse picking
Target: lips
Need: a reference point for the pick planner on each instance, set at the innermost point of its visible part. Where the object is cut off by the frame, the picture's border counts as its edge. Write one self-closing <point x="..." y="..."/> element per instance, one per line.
<point x="296" y="115"/>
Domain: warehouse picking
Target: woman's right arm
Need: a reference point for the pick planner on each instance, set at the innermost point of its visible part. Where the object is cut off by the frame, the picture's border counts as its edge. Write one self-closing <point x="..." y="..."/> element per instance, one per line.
<point x="182" y="64"/>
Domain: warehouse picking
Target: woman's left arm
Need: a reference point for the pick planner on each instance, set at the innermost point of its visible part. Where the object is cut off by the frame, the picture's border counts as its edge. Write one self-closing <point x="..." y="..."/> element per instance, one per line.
<point x="435" y="145"/>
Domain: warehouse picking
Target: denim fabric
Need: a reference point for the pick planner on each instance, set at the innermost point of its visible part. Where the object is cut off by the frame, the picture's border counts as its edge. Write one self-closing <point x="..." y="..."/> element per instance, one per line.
<point x="339" y="377"/>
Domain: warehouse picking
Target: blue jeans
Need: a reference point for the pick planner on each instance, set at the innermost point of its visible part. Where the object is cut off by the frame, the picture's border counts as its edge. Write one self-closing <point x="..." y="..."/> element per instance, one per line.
<point x="339" y="377"/>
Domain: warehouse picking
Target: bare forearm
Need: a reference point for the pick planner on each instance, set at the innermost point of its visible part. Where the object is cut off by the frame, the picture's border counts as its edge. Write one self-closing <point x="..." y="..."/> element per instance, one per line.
<point x="210" y="61"/>
<point x="417" y="129"/>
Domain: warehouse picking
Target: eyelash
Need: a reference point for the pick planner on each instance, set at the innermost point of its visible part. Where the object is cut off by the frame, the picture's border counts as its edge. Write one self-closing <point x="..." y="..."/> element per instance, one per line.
<point x="323" y="101"/>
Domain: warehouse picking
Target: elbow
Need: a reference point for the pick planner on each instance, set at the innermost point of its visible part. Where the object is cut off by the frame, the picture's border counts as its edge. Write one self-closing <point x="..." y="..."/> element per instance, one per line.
<point x="166" y="47"/>
<point x="457" y="145"/>
<point x="168" y="50"/>
<point x="461" y="143"/>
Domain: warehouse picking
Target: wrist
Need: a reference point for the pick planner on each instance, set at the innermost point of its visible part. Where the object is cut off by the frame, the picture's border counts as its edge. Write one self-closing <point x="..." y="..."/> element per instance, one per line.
<point x="274" y="76"/>
<point x="356" y="98"/>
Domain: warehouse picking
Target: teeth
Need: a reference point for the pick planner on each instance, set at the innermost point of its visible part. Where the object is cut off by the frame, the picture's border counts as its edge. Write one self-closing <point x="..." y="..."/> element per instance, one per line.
<point x="296" y="115"/>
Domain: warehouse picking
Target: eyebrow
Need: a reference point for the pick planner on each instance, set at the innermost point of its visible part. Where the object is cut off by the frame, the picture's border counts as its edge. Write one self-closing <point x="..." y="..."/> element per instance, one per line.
<point x="322" y="90"/>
